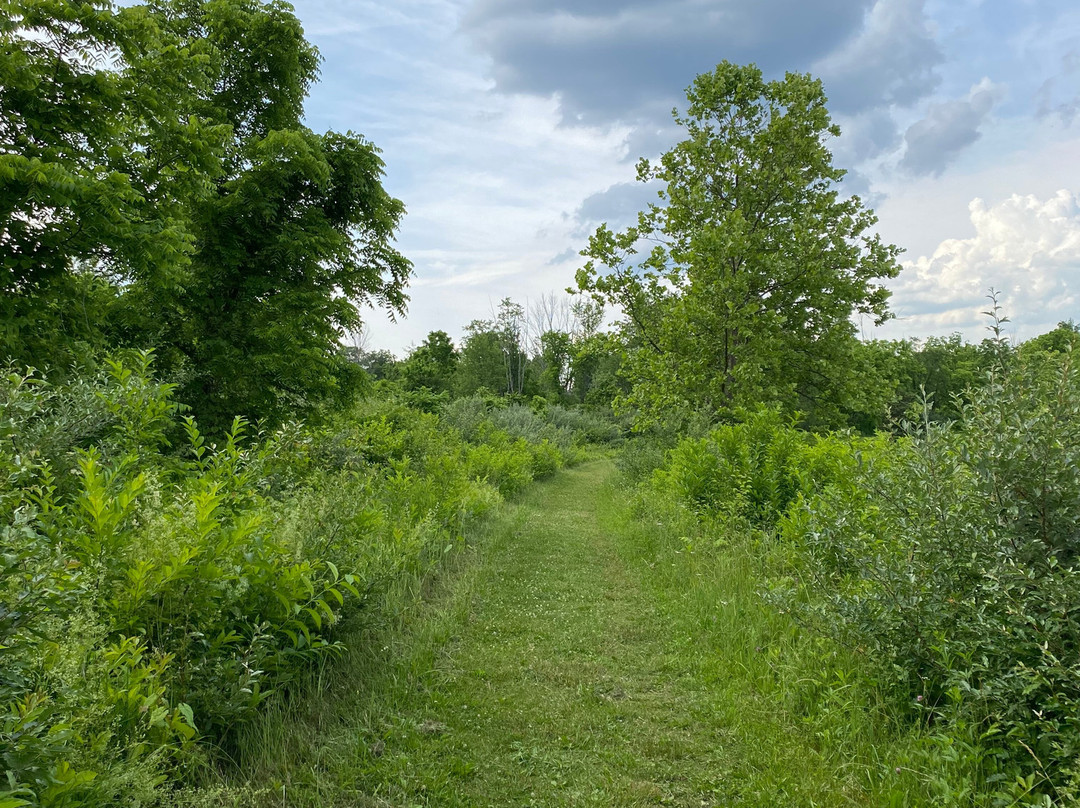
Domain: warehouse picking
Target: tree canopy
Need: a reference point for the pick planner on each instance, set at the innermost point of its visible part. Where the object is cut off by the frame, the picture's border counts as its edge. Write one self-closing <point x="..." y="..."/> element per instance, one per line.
<point x="757" y="262"/>
<point x="155" y="156"/>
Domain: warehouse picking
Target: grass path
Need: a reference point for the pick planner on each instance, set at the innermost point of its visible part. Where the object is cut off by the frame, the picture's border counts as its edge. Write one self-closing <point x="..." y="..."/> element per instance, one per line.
<point x="563" y="666"/>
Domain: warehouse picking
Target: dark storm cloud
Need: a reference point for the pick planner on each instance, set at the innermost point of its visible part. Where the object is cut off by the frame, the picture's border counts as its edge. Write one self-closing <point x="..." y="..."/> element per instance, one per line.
<point x="890" y="61"/>
<point x="608" y="60"/>
<point x="933" y="142"/>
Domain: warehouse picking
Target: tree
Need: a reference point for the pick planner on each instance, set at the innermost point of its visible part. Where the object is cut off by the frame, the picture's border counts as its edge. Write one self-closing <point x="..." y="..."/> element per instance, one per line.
<point x="482" y="365"/>
<point x="296" y="235"/>
<point x="432" y="364"/>
<point x="153" y="162"/>
<point x="757" y="263"/>
<point x="379" y="365"/>
<point x="100" y="159"/>
<point x="555" y="361"/>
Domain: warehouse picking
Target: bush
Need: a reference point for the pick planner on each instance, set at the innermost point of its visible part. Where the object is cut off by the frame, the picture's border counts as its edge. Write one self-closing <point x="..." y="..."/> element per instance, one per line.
<point x="949" y="557"/>
<point x="157" y="588"/>
<point x="589" y="426"/>
<point x="569" y="430"/>
<point x="754" y="470"/>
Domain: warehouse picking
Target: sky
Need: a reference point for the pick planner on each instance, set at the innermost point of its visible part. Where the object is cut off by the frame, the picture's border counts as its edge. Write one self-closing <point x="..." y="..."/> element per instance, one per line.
<point x="510" y="129"/>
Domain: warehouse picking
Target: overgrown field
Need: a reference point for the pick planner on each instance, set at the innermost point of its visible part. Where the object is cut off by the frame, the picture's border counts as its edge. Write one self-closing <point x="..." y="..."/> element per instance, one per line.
<point x="160" y="589"/>
<point x="931" y="576"/>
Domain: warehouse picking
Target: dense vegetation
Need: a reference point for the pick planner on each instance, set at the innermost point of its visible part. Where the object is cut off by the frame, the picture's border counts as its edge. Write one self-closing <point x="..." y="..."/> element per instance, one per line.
<point x="937" y="561"/>
<point x="201" y="490"/>
<point x="159" y="587"/>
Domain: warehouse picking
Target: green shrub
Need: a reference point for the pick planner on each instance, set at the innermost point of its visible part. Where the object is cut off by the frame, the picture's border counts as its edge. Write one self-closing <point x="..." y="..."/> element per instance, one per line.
<point x="568" y="429"/>
<point x="753" y="470"/>
<point x="591" y="427"/>
<point x="545" y="459"/>
<point x="154" y="596"/>
<point x="949" y="558"/>
<point x="501" y="462"/>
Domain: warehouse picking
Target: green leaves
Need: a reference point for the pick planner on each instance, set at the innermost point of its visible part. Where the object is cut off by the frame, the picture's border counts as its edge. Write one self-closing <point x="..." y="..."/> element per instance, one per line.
<point x="755" y="263"/>
<point x="158" y="187"/>
<point x="949" y="555"/>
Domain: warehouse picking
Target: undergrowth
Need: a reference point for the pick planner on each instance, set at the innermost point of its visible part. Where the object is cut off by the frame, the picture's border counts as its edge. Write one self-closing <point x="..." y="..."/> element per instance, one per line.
<point x="158" y="589"/>
<point x="931" y="574"/>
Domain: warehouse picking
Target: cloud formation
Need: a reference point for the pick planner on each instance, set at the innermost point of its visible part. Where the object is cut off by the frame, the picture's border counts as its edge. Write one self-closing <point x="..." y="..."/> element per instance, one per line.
<point x="1026" y="248"/>
<point x="948" y="128"/>
<point x="1059" y="95"/>
<point x="627" y="60"/>
<point x="618" y="206"/>
<point x="891" y="60"/>
<point x="510" y="127"/>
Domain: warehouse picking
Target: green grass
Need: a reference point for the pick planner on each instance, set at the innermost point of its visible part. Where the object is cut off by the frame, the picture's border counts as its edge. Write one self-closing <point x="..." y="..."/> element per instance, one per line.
<point x="575" y="656"/>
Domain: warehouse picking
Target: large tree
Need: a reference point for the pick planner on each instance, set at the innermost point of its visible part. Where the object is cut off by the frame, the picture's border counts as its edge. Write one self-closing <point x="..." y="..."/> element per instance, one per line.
<point x="757" y="262"/>
<point x="158" y="150"/>
<point x="297" y="232"/>
<point x="101" y="157"/>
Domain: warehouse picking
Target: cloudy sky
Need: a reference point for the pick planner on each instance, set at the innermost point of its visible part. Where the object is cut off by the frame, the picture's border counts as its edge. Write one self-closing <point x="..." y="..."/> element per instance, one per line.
<point x="510" y="129"/>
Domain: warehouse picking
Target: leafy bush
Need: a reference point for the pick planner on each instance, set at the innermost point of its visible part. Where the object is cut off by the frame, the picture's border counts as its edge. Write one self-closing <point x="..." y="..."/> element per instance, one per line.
<point x="752" y="471"/>
<point x="567" y="429"/>
<point x="589" y="426"/>
<point x="157" y="588"/>
<point x="949" y="558"/>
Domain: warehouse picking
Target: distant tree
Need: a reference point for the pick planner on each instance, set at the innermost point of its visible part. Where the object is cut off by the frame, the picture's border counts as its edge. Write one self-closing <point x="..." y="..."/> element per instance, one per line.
<point x="432" y="364"/>
<point x="555" y="361"/>
<point x="509" y="326"/>
<point x="380" y="364"/>
<point x="1066" y="337"/>
<point x="598" y="379"/>
<point x="482" y="365"/>
<point x="758" y="263"/>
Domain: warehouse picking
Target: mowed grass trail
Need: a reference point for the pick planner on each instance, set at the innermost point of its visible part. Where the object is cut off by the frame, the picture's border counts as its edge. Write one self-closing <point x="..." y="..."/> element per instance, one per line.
<point x="561" y="666"/>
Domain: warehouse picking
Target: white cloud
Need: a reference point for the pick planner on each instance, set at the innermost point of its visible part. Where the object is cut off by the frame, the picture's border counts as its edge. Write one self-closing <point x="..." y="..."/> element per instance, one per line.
<point x="1025" y="247"/>
<point x="497" y="120"/>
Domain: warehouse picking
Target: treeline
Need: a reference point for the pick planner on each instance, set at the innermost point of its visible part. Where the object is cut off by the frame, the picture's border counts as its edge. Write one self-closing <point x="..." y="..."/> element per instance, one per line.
<point x="552" y="348"/>
<point x="555" y="350"/>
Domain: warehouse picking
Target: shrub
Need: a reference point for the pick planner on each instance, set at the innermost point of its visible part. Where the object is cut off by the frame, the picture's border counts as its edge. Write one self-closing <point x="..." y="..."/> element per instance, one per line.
<point x="949" y="559"/>
<point x="154" y="596"/>
<point x="753" y="470"/>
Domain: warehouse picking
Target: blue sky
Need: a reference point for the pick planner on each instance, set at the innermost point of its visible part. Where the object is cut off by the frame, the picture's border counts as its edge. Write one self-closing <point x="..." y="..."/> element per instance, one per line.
<point x="510" y="129"/>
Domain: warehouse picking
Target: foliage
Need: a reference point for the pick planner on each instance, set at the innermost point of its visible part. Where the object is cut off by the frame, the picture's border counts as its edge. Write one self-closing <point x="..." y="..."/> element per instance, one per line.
<point x="431" y="365"/>
<point x="949" y="559"/>
<point x="159" y="188"/>
<point x="297" y="233"/>
<point x="99" y="159"/>
<point x="493" y="354"/>
<point x="752" y="471"/>
<point x="759" y="262"/>
<point x="158" y="594"/>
